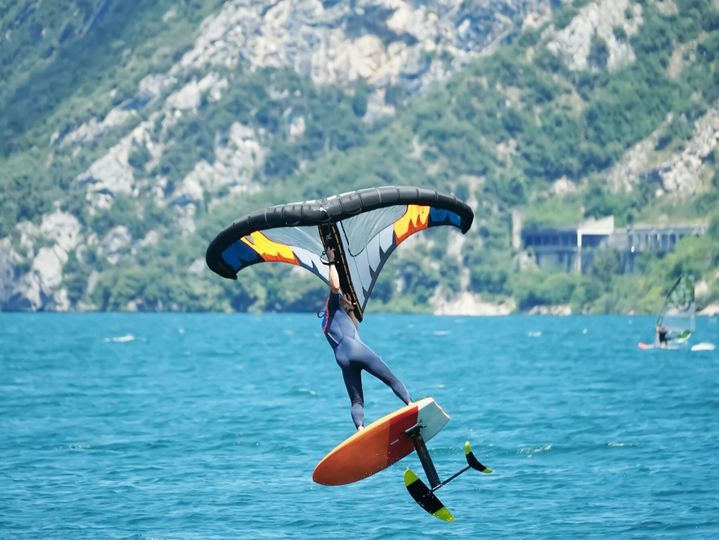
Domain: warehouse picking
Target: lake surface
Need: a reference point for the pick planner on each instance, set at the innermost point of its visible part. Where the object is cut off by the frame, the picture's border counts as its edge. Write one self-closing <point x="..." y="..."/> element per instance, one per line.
<point x="209" y="426"/>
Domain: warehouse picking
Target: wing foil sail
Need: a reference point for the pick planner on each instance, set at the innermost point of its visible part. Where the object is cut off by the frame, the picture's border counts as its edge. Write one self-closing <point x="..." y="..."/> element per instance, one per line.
<point x="678" y="313"/>
<point x="365" y="226"/>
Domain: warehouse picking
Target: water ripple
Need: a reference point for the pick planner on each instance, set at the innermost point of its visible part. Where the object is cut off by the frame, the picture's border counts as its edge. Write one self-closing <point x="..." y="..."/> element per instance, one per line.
<point x="209" y="426"/>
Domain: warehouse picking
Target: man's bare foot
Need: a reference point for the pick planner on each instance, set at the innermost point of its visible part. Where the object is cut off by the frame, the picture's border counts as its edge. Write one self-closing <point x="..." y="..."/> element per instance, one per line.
<point x="360" y="428"/>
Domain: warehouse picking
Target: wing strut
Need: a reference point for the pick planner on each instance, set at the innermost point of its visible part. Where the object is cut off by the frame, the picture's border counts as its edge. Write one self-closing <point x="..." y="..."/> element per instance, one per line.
<point x="331" y="239"/>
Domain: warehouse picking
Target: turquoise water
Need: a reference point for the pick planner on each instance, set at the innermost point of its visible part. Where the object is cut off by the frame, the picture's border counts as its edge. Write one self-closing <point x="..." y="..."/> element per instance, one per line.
<point x="209" y="426"/>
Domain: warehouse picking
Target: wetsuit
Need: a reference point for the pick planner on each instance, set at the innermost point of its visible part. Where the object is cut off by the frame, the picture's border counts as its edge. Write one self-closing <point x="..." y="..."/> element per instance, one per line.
<point x="353" y="356"/>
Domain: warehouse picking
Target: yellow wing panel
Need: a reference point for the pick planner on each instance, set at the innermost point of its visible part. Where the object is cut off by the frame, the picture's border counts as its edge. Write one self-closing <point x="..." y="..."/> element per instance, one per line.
<point x="270" y="251"/>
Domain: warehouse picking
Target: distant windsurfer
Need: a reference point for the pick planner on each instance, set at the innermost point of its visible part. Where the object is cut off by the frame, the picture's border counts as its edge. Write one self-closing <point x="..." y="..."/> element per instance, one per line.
<point x="662" y="335"/>
<point x="340" y="328"/>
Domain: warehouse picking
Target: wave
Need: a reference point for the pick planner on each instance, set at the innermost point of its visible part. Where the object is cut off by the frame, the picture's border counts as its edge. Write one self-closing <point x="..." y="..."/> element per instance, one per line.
<point x="120" y="339"/>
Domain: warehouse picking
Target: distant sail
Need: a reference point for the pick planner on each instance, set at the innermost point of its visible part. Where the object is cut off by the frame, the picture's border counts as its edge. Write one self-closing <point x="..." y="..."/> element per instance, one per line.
<point x="364" y="226"/>
<point x="678" y="313"/>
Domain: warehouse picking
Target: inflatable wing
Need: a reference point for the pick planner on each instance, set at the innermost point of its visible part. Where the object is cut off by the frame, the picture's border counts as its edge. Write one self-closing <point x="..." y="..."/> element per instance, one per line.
<point x="363" y="226"/>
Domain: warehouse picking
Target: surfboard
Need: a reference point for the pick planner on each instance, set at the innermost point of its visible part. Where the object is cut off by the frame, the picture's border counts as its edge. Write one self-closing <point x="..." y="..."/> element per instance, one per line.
<point x="380" y="444"/>
<point x="654" y="346"/>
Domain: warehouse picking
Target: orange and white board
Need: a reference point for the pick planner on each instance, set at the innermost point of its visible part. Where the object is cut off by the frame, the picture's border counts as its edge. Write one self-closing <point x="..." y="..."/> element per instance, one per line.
<point x="380" y="444"/>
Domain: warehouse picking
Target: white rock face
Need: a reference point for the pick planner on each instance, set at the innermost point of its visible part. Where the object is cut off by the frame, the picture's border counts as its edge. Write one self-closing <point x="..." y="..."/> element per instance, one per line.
<point x="154" y="85"/>
<point x="712" y="310"/>
<point x="151" y="239"/>
<point x="682" y="55"/>
<point x="188" y="97"/>
<point x="92" y="280"/>
<point x="27" y="232"/>
<point x="233" y="166"/>
<point x="560" y="309"/>
<point x="296" y="128"/>
<point x="112" y="174"/>
<point x="116" y="244"/>
<point x="93" y="128"/>
<point x="416" y="20"/>
<point x="702" y="289"/>
<point x="681" y="175"/>
<point x="563" y="187"/>
<point x="535" y="20"/>
<point x="667" y="7"/>
<point x="377" y="107"/>
<point x="626" y="173"/>
<point x="63" y="229"/>
<point x="33" y="291"/>
<point x="573" y="43"/>
<point x="28" y="295"/>
<point x="381" y="42"/>
<point x="190" y="191"/>
<point x="469" y="304"/>
<point x="314" y="41"/>
<point x="197" y="267"/>
<point x="41" y="287"/>
<point x="8" y="260"/>
<point x="47" y="266"/>
<point x="108" y="176"/>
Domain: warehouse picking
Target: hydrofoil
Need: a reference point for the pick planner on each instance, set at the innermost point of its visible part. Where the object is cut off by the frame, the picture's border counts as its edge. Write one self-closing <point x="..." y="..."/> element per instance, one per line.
<point x="388" y="440"/>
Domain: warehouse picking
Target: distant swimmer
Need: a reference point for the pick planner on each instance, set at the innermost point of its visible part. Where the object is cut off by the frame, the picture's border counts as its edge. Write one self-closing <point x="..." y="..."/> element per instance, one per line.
<point x="339" y="325"/>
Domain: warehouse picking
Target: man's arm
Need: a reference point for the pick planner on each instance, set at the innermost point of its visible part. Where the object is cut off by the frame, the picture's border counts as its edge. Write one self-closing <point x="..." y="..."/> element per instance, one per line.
<point x="333" y="275"/>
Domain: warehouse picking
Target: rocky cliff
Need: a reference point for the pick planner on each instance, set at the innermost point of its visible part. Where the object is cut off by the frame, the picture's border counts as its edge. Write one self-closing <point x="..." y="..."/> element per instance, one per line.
<point x="380" y="55"/>
<point x="382" y="44"/>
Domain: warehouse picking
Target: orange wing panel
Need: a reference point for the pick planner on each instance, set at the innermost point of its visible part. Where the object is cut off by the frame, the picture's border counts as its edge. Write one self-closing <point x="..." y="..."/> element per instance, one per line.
<point x="378" y="446"/>
<point x="415" y="219"/>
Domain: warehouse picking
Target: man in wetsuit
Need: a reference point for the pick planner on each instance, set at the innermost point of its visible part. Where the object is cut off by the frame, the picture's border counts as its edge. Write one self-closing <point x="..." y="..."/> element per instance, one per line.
<point x="662" y="335"/>
<point x="340" y="328"/>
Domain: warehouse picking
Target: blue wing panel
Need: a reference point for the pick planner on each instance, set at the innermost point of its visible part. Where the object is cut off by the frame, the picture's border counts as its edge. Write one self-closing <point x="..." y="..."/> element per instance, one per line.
<point x="437" y="216"/>
<point x="238" y="255"/>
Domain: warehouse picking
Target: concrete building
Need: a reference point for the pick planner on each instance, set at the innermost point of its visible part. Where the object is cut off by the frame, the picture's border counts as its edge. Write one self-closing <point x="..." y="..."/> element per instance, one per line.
<point x="573" y="248"/>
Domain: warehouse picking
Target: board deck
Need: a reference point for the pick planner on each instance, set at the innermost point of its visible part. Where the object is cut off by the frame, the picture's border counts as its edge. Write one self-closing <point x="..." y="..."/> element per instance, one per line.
<point x="380" y="444"/>
<point x="654" y="346"/>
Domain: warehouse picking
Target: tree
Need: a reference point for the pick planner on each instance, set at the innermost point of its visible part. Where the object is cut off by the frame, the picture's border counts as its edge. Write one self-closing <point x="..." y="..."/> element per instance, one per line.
<point x="359" y="101"/>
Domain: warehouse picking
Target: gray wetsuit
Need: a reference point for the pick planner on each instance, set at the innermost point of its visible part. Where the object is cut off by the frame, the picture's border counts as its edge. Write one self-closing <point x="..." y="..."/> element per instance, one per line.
<point x="353" y="356"/>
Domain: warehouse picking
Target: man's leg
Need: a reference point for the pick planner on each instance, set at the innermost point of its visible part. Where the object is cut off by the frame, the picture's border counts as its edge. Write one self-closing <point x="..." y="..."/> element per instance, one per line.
<point x="374" y="365"/>
<point x="352" y="376"/>
<point x="353" y="383"/>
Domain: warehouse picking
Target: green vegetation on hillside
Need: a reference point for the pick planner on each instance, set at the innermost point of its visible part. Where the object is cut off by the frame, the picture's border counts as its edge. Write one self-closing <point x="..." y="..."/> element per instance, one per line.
<point x="501" y="133"/>
<point x="91" y="59"/>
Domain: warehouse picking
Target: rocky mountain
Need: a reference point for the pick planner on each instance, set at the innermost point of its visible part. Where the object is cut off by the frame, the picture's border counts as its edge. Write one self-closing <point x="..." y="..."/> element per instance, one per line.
<point x="130" y="135"/>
